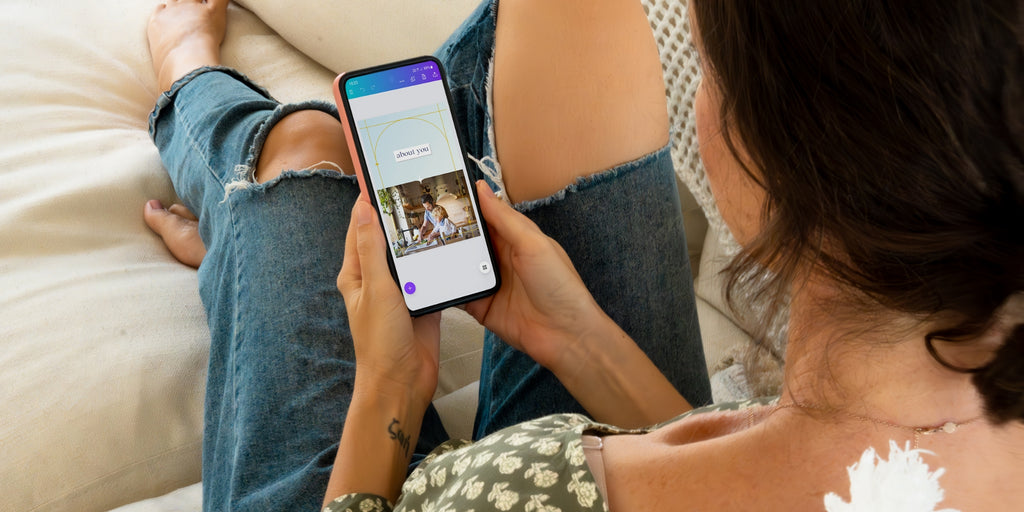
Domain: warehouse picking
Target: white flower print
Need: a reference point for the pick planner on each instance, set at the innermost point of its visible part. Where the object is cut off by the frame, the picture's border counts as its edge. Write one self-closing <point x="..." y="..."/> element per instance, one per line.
<point x="503" y="499"/>
<point x="531" y="425"/>
<point x="507" y="463"/>
<point x="490" y="440"/>
<point x="574" y="453"/>
<point x="518" y="439"/>
<point x="536" y="504"/>
<point x="547" y="447"/>
<point x="542" y="477"/>
<point x="576" y="420"/>
<point x="371" y="505"/>
<point x="560" y="423"/>
<point x="904" y="482"/>
<point x="472" y="488"/>
<point x="460" y="465"/>
<point x="438" y="476"/>
<point x="452" y="491"/>
<point x="586" y="492"/>
<point x="417" y="484"/>
<point x="482" y="458"/>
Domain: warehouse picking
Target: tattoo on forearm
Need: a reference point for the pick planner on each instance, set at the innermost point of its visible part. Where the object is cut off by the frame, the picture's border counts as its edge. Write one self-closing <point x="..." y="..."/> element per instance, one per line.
<point x="396" y="433"/>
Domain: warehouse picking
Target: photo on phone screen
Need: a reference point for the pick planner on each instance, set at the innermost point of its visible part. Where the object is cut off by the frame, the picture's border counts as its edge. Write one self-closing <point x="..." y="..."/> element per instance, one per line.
<point x="412" y="165"/>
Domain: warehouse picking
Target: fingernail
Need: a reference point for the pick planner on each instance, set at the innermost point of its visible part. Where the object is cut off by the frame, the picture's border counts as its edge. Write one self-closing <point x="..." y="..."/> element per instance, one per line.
<point x="484" y="188"/>
<point x="154" y="204"/>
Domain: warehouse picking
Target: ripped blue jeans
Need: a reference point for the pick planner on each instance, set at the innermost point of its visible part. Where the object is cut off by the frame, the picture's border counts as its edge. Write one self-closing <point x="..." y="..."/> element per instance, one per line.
<point x="281" y="360"/>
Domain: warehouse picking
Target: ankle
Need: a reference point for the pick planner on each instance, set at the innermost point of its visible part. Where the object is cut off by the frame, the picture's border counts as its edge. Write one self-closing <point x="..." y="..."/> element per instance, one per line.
<point x="184" y="59"/>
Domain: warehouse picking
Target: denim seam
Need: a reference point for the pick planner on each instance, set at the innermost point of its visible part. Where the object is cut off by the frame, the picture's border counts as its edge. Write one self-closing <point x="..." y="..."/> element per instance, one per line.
<point x="236" y="337"/>
<point x="186" y="123"/>
<point x="489" y="98"/>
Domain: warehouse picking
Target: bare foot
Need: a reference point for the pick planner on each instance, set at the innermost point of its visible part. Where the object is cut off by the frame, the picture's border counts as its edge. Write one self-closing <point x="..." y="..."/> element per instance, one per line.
<point x="185" y="35"/>
<point x="179" y="230"/>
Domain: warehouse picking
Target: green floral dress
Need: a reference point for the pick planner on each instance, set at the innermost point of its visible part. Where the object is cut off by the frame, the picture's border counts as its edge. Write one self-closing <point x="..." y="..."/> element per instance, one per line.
<point x="537" y="466"/>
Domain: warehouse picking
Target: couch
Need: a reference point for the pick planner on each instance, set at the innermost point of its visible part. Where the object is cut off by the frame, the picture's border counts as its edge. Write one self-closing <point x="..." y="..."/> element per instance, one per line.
<point x="103" y="340"/>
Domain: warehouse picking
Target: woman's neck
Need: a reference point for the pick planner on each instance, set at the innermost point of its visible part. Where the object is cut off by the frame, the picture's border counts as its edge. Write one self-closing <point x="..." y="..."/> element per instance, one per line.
<point x="880" y="370"/>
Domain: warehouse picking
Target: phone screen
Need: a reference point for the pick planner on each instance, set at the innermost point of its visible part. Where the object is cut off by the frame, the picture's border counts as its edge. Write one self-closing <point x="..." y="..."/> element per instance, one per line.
<point x="412" y="165"/>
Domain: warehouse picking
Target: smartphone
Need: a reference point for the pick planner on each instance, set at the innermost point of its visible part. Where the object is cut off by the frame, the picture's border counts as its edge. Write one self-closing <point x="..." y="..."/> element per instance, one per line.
<point x="411" y="164"/>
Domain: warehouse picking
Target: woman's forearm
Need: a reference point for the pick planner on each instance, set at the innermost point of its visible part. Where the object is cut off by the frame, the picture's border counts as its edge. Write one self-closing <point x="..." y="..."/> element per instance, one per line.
<point x="615" y="381"/>
<point x="377" y="443"/>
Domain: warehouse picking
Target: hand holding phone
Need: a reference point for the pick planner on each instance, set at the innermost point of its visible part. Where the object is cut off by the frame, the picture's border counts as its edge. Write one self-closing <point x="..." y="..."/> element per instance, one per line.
<point x="412" y="166"/>
<point x="546" y="308"/>
<point x="392" y="350"/>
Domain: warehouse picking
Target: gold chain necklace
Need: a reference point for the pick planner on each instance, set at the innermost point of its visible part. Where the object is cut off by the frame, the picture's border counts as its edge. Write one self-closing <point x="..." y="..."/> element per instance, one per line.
<point x="948" y="427"/>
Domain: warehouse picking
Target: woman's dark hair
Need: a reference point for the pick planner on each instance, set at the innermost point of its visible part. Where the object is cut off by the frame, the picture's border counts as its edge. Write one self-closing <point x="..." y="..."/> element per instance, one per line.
<point x="889" y="139"/>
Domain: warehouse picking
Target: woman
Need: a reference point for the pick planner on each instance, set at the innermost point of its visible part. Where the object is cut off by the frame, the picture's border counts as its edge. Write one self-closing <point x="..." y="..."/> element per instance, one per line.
<point x="445" y="227"/>
<point x="870" y="156"/>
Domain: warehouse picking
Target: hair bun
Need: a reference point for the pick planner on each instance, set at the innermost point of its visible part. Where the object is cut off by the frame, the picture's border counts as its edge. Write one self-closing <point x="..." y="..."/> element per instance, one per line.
<point x="1001" y="382"/>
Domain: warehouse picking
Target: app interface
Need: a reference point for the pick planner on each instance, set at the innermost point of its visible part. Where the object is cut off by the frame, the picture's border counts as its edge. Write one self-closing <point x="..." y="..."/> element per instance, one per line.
<point x="418" y="175"/>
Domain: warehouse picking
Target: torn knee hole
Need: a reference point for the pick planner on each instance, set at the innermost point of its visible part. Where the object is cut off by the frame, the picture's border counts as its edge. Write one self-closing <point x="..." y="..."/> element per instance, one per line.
<point x="302" y="140"/>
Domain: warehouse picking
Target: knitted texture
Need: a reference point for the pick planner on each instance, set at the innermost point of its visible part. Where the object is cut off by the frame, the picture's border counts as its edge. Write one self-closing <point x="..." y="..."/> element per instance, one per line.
<point x="760" y="361"/>
<point x="679" y="61"/>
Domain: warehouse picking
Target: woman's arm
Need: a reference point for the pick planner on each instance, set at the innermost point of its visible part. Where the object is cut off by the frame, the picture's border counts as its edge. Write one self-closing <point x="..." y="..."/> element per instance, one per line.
<point x="380" y="433"/>
<point x="545" y="310"/>
<point x="396" y="368"/>
<point x="614" y="380"/>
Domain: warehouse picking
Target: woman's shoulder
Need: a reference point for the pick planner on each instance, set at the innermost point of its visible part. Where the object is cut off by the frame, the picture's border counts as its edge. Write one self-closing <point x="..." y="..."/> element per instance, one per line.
<point x="738" y="405"/>
<point x="538" y="438"/>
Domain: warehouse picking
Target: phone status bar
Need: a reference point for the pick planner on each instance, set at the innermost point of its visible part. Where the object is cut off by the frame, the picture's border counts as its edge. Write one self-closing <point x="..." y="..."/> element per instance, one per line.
<point x="391" y="79"/>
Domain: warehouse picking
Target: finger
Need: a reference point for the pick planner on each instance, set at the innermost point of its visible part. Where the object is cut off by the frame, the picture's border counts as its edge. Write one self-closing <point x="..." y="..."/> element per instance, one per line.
<point x="370" y="243"/>
<point x="514" y="233"/>
<point x="350" y="278"/>
<point x="510" y="224"/>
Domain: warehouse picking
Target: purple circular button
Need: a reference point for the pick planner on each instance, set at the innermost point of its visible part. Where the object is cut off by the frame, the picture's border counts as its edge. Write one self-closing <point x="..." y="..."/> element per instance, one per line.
<point x="410" y="288"/>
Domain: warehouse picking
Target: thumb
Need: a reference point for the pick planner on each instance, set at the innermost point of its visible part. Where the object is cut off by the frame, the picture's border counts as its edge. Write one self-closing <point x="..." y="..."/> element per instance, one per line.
<point x="370" y="244"/>
<point x="513" y="227"/>
<point x="516" y="231"/>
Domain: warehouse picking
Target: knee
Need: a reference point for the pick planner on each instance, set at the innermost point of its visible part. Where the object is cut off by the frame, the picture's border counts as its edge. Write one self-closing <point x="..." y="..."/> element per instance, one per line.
<point x="301" y="140"/>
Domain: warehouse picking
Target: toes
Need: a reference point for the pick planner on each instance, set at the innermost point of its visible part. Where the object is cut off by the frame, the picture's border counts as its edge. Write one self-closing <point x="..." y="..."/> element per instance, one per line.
<point x="179" y="230"/>
<point x="156" y="217"/>
<point x="181" y="211"/>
